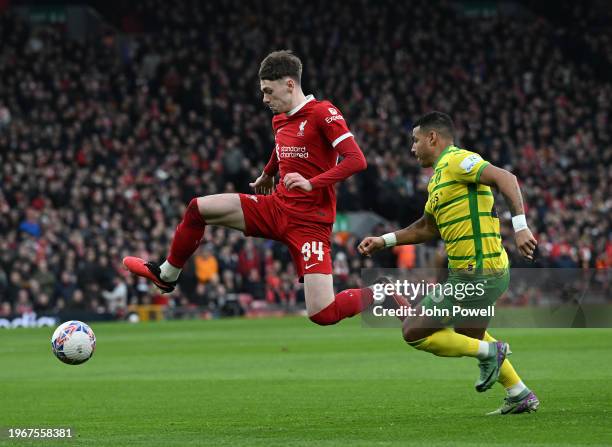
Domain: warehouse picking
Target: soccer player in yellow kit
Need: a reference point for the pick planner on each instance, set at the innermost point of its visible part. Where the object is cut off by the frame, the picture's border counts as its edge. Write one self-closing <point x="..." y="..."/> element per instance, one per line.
<point x="460" y="210"/>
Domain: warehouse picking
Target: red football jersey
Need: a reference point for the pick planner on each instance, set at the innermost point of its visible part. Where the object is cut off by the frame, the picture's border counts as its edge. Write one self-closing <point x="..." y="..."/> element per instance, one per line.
<point x="306" y="140"/>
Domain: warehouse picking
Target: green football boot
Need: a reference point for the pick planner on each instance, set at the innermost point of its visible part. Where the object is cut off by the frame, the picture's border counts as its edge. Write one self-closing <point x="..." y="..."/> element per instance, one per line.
<point x="489" y="367"/>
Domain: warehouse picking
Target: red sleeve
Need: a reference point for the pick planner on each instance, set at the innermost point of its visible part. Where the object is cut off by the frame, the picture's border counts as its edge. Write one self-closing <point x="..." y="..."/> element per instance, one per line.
<point x="272" y="167"/>
<point x="332" y="123"/>
<point x="353" y="162"/>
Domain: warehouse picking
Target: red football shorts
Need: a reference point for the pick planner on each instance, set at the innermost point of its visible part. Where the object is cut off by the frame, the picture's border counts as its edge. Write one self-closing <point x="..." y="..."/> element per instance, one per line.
<point x="308" y="242"/>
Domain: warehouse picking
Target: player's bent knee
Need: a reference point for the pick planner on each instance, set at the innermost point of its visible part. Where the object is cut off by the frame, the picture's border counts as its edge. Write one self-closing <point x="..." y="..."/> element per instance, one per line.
<point x="327" y="316"/>
<point x="412" y="334"/>
<point x="202" y="203"/>
<point x="407" y="333"/>
<point x="323" y="320"/>
<point x="193" y="205"/>
<point x="193" y="217"/>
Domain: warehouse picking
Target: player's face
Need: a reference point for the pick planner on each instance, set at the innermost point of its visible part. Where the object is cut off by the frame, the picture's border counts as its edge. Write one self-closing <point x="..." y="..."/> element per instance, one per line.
<point x="422" y="147"/>
<point x="277" y="94"/>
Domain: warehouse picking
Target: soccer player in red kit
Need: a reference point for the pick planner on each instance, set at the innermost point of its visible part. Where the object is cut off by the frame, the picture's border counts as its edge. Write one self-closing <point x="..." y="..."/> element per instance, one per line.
<point x="309" y="136"/>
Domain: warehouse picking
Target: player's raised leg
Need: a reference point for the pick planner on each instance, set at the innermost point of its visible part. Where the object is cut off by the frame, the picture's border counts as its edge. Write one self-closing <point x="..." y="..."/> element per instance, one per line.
<point x="218" y="209"/>
<point x="326" y="308"/>
<point x="309" y="245"/>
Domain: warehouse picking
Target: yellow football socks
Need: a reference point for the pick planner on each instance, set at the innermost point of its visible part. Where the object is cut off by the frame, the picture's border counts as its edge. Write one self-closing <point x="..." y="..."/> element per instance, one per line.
<point x="448" y="343"/>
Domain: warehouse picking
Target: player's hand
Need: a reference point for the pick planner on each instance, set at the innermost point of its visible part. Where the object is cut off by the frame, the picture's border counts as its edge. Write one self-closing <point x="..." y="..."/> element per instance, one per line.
<point x="371" y="244"/>
<point x="263" y="185"/>
<point x="295" y="180"/>
<point x="526" y="243"/>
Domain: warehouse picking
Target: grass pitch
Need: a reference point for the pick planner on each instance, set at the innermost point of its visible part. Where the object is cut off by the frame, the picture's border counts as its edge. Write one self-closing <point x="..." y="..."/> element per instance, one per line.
<point x="288" y="382"/>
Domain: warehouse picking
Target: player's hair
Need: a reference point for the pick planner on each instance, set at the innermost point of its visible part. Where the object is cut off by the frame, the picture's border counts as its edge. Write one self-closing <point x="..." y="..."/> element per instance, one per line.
<point x="279" y="64"/>
<point x="438" y="121"/>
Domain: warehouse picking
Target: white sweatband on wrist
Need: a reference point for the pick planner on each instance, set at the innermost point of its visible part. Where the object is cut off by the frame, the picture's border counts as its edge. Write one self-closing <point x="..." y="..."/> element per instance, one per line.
<point x="390" y="239"/>
<point x="519" y="223"/>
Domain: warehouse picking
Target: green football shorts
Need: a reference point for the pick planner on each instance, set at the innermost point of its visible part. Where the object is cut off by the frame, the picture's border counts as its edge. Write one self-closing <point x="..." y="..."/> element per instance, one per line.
<point x="466" y="299"/>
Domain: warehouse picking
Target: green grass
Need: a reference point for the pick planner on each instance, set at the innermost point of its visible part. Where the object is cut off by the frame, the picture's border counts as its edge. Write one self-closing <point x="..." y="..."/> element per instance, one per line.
<point x="287" y="382"/>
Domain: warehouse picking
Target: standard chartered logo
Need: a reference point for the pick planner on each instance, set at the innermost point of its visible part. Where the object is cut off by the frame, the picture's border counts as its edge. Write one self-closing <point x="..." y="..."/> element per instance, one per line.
<point x="293" y="152"/>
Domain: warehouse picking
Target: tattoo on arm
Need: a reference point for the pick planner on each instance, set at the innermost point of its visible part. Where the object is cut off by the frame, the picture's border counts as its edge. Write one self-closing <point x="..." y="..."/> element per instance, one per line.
<point x="507" y="184"/>
<point x="514" y="200"/>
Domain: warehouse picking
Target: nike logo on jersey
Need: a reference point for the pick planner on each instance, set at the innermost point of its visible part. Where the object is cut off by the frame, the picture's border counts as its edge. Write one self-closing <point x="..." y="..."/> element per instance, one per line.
<point x="307" y="266"/>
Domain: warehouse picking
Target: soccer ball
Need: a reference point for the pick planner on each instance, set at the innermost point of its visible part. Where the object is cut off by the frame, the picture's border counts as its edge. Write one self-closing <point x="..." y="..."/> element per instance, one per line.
<point x="73" y="342"/>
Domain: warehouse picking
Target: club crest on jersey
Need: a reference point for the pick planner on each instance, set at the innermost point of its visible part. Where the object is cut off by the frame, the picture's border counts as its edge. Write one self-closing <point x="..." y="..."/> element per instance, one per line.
<point x="302" y="126"/>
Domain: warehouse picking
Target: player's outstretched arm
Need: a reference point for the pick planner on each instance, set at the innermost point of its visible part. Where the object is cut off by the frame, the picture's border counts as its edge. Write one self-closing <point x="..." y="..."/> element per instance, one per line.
<point x="423" y="230"/>
<point x="507" y="184"/>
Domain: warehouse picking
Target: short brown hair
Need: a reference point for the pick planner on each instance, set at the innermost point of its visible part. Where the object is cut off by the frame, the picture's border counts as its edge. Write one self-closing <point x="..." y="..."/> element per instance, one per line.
<point x="279" y="64"/>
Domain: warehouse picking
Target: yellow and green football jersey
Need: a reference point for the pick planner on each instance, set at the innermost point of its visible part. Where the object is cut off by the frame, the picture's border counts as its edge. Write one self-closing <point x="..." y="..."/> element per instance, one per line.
<point x="464" y="212"/>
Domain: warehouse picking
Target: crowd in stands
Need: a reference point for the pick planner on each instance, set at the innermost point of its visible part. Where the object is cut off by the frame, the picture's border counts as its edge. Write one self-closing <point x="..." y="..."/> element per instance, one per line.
<point x="104" y="142"/>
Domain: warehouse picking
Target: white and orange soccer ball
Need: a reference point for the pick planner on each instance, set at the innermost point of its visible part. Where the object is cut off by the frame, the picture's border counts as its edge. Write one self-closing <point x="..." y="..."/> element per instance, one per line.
<point x="73" y="342"/>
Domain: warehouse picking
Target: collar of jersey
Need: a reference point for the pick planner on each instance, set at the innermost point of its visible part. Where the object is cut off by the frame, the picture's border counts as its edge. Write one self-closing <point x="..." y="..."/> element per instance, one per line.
<point x="298" y="107"/>
<point x="442" y="154"/>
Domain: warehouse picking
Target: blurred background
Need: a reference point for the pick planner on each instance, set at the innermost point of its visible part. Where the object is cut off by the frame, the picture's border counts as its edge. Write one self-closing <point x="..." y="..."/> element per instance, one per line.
<point x="114" y="114"/>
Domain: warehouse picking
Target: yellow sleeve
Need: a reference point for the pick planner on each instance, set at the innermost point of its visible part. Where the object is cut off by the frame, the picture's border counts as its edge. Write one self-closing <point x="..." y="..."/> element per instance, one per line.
<point x="466" y="166"/>
<point x="428" y="209"/>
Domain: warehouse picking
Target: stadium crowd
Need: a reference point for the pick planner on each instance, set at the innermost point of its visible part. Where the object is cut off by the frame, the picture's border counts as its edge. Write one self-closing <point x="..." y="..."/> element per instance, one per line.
<point x="102" y="143"/>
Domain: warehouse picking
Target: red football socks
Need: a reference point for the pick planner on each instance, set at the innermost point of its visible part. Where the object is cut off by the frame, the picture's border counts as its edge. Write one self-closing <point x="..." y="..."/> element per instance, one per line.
<point x="188" y="235"/>
<point x="347" y="303"/>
